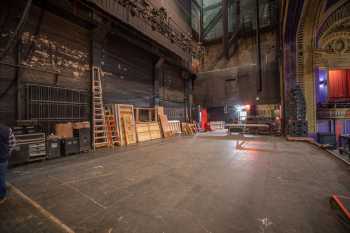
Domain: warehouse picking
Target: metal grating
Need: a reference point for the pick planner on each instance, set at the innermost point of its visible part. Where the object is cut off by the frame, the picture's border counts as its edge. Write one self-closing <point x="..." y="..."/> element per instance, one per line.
<point x="49" y="105"/>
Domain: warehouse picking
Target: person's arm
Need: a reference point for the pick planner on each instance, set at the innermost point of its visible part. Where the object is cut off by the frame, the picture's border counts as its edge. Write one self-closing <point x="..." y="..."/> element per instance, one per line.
<point x="12" y="141"/>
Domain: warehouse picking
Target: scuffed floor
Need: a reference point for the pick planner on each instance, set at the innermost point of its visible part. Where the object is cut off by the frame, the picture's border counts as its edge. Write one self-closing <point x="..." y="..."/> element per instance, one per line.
<point x="190" y="185"/>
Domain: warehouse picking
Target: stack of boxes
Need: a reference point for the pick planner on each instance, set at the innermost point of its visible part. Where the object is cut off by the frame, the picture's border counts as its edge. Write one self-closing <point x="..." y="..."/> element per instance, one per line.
<point x="75" y="137"/>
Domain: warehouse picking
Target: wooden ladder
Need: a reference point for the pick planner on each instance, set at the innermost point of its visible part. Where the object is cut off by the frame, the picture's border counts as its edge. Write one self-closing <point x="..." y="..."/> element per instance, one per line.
<point x="113" y="137"/>
<point x="99" y="121"/>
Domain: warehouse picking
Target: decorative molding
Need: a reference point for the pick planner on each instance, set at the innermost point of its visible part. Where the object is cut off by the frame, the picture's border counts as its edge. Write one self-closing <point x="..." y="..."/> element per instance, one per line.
<point x="334" y="19"/>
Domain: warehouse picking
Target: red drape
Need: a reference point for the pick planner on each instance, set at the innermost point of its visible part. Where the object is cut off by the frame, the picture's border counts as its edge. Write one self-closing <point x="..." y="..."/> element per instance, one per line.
<point x="338" y="84"/>
<point x="348" y="80"/>
<point x="204" y="118"/>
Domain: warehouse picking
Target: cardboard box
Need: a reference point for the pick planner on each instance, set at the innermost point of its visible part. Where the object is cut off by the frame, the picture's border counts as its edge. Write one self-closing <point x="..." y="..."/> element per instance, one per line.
<point x="64" y="130"/>
<point x="81" y="125"/>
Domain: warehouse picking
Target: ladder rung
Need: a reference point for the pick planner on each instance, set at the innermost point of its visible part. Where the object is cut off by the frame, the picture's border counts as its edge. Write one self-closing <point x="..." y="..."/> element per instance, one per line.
<point x="98" y="123"/>
<point x="100" y="139"/>
<point x="99" y="127"/>
<point x="99" y="131"/>
<point x="102" y="144"/>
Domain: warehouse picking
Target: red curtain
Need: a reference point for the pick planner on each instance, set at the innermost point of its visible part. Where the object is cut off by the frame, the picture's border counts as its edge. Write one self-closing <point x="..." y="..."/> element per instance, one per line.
<point x="204" y="118"/>
<point x="348" y="80"/>
<point x="338" y="84"/>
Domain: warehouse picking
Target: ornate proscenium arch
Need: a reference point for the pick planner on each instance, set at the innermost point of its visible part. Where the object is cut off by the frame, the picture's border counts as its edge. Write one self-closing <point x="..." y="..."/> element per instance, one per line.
<point x="333" y="40"/>
<point x="323" y="40"/>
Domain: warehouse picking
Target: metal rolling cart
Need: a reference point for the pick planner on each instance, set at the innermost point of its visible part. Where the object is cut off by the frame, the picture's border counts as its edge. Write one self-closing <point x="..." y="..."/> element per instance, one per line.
<point x="29" y="148"/>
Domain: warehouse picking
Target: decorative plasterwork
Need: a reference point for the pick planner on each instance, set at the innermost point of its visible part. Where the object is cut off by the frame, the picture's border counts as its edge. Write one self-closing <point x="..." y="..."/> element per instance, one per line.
<point x="333" y="48"/>
<point x="337" y="38"/>
<point x="333" y="17"/>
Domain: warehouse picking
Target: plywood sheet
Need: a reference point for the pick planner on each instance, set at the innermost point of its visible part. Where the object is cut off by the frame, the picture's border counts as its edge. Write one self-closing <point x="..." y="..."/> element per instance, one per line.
<point x="147" y="131"/>
<point x="167" y="132"/>
<point x="129" y="130"/>
<point x="126" y="112"/>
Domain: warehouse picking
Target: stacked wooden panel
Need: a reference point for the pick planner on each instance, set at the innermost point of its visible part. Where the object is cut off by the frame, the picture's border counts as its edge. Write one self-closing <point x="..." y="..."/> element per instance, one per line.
<point x="126" y="124"/>
<point x="147" y="131"/>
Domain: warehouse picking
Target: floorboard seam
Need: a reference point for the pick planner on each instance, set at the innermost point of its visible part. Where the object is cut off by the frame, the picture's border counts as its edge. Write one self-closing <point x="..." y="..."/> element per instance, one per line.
<point x="81" y="193"/>
<point x="43" y="211"/>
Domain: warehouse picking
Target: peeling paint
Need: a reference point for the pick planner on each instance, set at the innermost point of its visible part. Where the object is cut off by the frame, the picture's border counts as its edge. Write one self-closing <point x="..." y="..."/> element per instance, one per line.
<point x="50" y="54"/>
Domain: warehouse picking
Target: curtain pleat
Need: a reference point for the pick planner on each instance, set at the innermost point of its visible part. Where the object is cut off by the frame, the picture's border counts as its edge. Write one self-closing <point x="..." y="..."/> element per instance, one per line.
<point x="338" y="84"/>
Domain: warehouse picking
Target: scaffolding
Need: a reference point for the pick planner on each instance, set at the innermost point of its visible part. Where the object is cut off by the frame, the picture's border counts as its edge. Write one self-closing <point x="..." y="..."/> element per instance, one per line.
<point x="241" y="15"/>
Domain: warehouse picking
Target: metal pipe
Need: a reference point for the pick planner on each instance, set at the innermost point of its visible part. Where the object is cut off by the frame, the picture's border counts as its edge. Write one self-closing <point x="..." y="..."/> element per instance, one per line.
<point x="201" y="22"/>
<point x="19" y="83"/>
<point x="258" y="49"/>
<point x="225" y="27"/>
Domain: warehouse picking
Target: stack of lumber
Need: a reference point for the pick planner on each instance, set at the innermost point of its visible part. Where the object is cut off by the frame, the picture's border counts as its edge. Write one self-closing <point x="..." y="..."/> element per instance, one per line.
<point x="147" y="131"/>
<point x="188" y="128"/>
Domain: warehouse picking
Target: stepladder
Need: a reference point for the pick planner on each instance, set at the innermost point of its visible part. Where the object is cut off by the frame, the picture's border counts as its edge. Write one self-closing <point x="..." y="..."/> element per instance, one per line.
<point x="100" y="138"/>
<point x="112" y="131"/>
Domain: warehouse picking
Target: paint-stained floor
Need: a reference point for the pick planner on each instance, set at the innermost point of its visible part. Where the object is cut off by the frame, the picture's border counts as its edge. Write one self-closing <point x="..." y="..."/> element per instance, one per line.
<point x="189" y="185"/>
